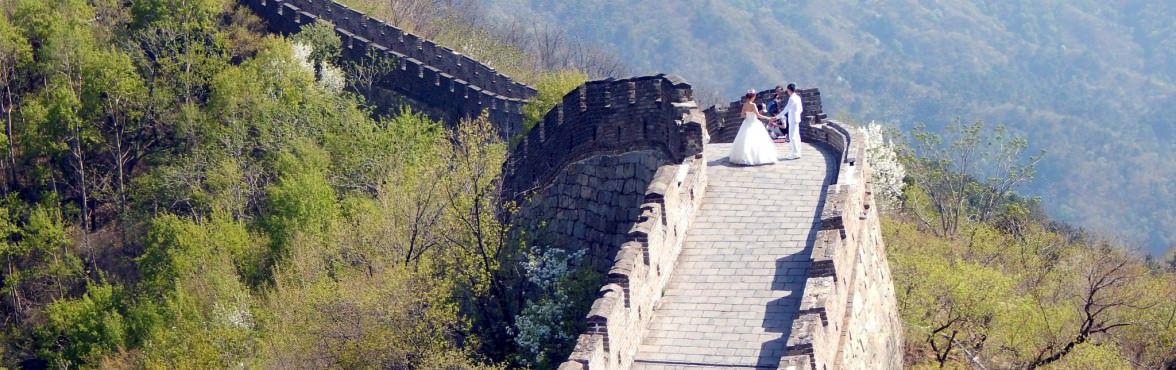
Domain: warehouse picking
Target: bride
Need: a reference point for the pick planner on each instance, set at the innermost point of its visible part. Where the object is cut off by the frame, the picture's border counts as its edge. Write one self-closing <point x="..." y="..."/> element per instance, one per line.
<point x="752" y="146"/>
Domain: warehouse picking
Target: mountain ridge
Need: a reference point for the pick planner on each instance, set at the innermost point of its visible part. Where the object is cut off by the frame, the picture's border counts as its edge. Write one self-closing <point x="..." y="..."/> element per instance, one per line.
<point x="1088" y="82"/>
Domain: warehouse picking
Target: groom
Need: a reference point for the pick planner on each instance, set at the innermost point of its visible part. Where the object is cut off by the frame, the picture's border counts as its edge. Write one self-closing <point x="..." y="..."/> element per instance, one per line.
<point x="791" y="115"/>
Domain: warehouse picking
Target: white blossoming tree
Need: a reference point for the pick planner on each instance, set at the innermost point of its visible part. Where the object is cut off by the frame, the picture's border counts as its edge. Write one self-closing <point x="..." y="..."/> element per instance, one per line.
<point x="888" y="170"/>
<point x="546" y="328"/>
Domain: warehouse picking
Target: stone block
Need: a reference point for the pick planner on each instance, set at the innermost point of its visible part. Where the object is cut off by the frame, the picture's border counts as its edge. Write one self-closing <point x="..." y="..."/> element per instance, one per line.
<point x="797" y="362"/>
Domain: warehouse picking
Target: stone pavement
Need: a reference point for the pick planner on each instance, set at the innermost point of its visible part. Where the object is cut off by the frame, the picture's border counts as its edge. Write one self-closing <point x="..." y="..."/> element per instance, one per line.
<point x="738" y="281"/>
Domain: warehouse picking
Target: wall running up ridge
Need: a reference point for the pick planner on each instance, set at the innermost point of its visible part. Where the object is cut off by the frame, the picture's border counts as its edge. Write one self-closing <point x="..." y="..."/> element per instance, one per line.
<point x="443" y="80"/>
<point x="617" y="169"/>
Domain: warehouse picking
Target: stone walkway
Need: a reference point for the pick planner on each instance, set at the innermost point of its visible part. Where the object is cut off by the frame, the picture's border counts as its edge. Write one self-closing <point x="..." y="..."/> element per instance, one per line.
<point x="737" y="285"/>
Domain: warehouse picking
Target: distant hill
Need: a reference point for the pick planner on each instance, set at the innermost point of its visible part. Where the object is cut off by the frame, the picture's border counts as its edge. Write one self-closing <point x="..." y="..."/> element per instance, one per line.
<point x="1090" y="82"/>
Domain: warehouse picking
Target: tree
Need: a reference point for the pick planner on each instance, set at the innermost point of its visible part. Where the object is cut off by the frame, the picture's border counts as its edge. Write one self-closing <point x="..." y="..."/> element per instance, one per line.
<point x="969" y="178"/>
<point x="15" y="53"/>
<point x="117" y="94"/>
<point x="300" y="204"/>
<point x="1107" y="276"/>
<point x="40" y="267"/>
<point x="325" y="46"/>
<point x="85" y="329"/>
<point x="559" y="295"/>
<point x="367" y="72"/>
<point x="185" y="15"/>
<point x="1006" y="287"/>
<point x="193" y="309"/>
<point x="475" y="237"/>
<point x="551" y="89"/>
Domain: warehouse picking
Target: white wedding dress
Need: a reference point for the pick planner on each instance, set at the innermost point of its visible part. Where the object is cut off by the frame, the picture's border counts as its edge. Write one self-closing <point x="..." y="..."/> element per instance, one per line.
<point x="753" y="146"/>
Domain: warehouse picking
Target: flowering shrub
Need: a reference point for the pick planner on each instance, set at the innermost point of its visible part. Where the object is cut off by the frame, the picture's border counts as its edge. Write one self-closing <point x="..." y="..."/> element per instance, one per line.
<point x="330" y="77"/>
<point x="546" y="328"/>
<point x="888" y="170"/>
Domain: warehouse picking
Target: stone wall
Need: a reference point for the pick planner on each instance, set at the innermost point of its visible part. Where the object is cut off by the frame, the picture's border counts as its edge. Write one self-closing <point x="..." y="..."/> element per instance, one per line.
<point x="606" y="117"/>
<point x="848" y="312"/>
<point x="848" y="315"/>
<point x="615" y="169"/>
<point x="591" y="203"/>
<point x="641" y="268"/>
<point x="443" y="80"/>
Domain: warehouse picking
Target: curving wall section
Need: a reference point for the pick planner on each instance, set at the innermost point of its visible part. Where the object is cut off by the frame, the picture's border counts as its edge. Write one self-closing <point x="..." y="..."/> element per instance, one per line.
<point x="441" y="79"/>
<point x="606" y="117"/>
<point x="616" y="169"/>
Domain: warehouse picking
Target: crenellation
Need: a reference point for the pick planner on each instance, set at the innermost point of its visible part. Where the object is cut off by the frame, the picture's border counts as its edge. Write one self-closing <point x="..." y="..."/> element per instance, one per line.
<point x="856" y="302"/>
<point x="361" y="33"/>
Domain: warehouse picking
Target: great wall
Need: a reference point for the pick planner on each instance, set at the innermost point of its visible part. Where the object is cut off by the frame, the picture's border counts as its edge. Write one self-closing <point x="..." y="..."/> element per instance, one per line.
<point x="633" y="172"/>
<point x="430" y="77"/>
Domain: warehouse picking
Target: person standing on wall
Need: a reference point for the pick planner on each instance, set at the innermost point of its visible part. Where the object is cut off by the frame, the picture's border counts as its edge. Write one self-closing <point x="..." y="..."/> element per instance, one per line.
<point x="791" y="116"/>
<point x="775" y="105"/>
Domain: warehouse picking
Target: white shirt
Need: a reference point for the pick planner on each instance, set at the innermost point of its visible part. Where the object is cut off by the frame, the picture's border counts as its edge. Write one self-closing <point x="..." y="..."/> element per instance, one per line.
<point x="793" y="109"/>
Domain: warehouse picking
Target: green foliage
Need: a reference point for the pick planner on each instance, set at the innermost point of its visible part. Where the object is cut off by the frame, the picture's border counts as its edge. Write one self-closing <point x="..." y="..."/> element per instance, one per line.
<point x="325" y="46"/>
<point x="194" y="309"/>
<point x="969" y="179"/>
<point x="41" y="267"/>
<point x="389" y="318"/>
<point x="372" y="68"/>
<point x="177" y="14"/>
<point x="84" y="329"/>
<point x="182" y="192"/>
<point x="300" y="203"/>
<point x="14" y="49"/>
<point x="1008" y="290"/>
<point x="551" y="88"/>
<point x="366" y="152"/>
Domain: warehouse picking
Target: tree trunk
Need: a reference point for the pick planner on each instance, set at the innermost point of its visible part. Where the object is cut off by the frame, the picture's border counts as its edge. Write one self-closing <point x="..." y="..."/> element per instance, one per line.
<point x="17" y="305"/>
<point x="11" y="167"/>
<point x="121" y="159"/>
<point x="80" y="156"/>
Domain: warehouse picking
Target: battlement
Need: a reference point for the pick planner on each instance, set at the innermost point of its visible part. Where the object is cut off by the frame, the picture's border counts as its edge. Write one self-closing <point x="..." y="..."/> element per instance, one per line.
<point x="722" y="121"/>
<point x="848" y="318"/>
<point x="616" y="170"/>
<point x="606" y="117"/>
<point x="847" y="314"/>
<point x="433" y="75"/>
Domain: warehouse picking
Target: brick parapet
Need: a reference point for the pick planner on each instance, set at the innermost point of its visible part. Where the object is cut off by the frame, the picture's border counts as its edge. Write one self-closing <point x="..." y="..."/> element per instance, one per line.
<point x="426" y="72"/>
<point x="621" y="315"/>
<point x="632" y="146"/>
<point x="848" y="316"/>
<point x="606" y="117"/>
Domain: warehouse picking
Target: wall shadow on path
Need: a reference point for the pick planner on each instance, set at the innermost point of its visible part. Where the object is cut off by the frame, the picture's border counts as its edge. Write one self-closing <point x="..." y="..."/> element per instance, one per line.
<point x="792" y="272"/>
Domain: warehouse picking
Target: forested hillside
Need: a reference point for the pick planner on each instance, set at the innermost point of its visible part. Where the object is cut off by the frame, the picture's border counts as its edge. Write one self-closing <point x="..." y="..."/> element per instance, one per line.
<point x="986" y="281"/>
<point x="181" y="189"/>
<point x="1090" y="82"/>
